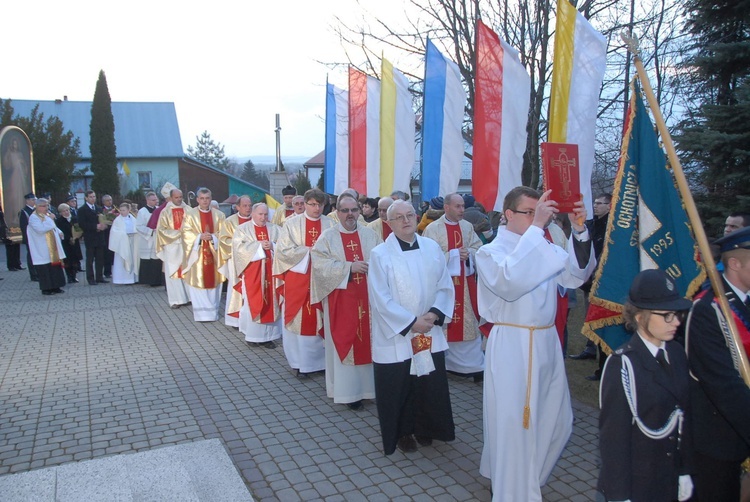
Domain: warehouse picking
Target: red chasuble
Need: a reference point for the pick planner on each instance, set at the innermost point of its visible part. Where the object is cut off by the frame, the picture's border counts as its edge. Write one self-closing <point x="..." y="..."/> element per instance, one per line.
<point x="386" y="230"/>
<point x="178" y="214"/>
<point x="209" y="267"/>
<point x="297" y="289"/>
<point x="350" y="309"/>
<point x="238" y="284"/>
<point x="561" y="316"/>
<point x="289" y="212"/>
<point x="261" y="301"/>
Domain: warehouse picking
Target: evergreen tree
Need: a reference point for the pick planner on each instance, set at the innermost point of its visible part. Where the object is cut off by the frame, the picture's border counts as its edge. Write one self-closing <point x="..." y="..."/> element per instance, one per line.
<point x="55" y="151"/>
<point x="209" y="151"/>
<point x="321" y="180"/>
<point x="103" y="148"/>
<point x="302" y="184"/>
<point x="714" y="140"/>
<point x="252" y="175"/>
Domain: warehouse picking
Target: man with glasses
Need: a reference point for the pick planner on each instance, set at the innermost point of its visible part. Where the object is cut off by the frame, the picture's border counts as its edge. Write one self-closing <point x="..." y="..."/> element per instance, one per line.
<point x="411" y="297"/>
<point x="340" y="260"/>
<point x="303" y="345"/>
<point x="298" y="202"/>
<point x="719" y="397"/>
<point x="381" y="226"/>
<point x="459" y="242"/>
<point x="527" y="413"/>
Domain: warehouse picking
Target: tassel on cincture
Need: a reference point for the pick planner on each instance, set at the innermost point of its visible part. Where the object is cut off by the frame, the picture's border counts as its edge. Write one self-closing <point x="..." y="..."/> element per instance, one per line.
<point x="526" y="416"/>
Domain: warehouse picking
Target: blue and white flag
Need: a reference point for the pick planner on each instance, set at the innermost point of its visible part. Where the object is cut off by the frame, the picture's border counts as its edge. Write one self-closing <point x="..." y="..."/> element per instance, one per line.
<point x="336" y="170"/>
<point x="442" y="139"/>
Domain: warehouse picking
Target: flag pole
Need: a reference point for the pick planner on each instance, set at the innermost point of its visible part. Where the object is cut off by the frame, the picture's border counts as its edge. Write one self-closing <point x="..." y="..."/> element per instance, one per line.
<point x="718" y="286"/>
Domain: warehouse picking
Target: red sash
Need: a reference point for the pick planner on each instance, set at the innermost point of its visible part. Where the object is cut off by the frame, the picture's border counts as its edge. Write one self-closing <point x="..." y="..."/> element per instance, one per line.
<point x="289" y="212"/>
<point x="178" y="214"/>
<point x="561" y="315"/>
<point x="350" y="309"/>
<point x="456" y="327"/>
<point x="742" y="328"/>
<point x="297" y="289"/>
<point x="387" y="230"/>
<point x="209" y="267"/>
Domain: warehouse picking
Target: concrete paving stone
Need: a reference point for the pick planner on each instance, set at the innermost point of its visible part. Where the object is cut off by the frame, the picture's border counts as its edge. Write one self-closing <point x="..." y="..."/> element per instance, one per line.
<point x="288" y="495"/>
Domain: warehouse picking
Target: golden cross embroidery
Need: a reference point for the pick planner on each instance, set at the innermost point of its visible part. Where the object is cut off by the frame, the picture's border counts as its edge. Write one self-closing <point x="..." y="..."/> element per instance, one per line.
<point x="456" y="281"/>
<point x="314" y="234"/>
<point x="360" y="314"/>
<point x="456" y="310"/>
<point x="357" y="278"/>
<point x="262" y="236"/>
<point x="564" y="164"/>
<point x="353" y="246"/>
<point x="356" y="257"/>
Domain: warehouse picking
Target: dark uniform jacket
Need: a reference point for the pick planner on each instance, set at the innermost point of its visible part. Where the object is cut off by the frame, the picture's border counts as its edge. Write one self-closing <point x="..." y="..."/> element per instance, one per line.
<point x="88" y="220"/>
<point x="720" y="398"/>
<point x="635" y="466"/>
<point x="23" y="219"/>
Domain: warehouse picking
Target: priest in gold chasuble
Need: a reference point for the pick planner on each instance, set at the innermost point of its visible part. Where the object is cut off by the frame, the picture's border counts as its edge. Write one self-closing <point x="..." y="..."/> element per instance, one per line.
<point x="170" y="249"/>
<point x="200" y="234"/>
<point x="459" y="242"/>
<point x="226" y="261"/>
<point x="303" y="343"/>
<point x="339" y="280"/>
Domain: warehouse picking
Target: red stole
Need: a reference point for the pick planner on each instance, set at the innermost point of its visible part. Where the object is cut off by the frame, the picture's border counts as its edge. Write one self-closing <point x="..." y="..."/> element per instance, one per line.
<point x="350" y="310"/>
<point x="456" y="327"/>
<point x="261" y="301"/>
<point x="209" y="267"/>
<point x="561" y="315"/>
<point x="297" y="289"/>
<point x="178" y="214"/>
<point x="238" y="284"/>
<point x="387" y="230"/>
<point x="289" y="212"/>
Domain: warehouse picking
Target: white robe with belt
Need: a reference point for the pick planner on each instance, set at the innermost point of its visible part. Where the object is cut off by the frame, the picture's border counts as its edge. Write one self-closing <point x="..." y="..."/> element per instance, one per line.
<point x="123" y="242"/>
<point x="518" y="279"/>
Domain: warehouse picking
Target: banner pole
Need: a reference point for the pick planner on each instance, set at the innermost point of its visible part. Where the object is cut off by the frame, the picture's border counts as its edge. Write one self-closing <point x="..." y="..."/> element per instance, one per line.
<point x="700" y="235"/>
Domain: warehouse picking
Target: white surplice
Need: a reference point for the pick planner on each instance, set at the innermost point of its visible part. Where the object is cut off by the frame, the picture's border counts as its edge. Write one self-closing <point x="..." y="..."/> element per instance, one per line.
<point x="518" y="280"/>
<point x="123" y="242"/>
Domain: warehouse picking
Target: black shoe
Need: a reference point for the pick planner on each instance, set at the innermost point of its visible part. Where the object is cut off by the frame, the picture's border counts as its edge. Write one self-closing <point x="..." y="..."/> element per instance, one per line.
<point x="594" y="378"/>
<point x="356" y="405"/>
<point x="47" y="293"/>
<point x="268" y="345"/>
<point x="479" y="377"/>
<point x="302" y="376"/>
<point x="102" y="281"/>
<point x="582" y="356"/>
<point x="58" y="290"/>
<point x="407" y="444"/>
<point x="21" y="267"/>
<point x="92" y="283"/>
<point x="423" y="440"/>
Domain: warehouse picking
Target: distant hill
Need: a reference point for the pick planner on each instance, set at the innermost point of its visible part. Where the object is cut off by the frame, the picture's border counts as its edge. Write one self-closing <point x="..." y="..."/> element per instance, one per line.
<point x="262" y="161"/>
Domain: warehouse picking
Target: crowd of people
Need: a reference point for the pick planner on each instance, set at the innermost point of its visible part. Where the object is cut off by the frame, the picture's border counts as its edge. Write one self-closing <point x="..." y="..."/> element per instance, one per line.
<point x="386" y="302"/>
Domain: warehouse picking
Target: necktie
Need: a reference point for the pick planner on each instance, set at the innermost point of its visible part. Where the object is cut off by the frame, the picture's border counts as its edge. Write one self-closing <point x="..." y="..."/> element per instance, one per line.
<point x="662" y="360"/>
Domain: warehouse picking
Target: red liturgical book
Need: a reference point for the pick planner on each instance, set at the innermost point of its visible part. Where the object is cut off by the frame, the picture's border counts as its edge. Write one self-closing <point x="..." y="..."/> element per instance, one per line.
<point x="561" y="174"/>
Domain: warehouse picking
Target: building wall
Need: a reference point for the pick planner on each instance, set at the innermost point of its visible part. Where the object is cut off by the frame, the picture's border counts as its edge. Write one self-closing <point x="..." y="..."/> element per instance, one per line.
<point x="158" y="171"/>
<point x="193" y="177"/>
<point x="237" y="187"/>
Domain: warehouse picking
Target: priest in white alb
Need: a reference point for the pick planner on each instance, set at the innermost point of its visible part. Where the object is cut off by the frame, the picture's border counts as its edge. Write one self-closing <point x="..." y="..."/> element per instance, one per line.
<point x="226" y="263"/>
<point x="303" y="344"/>
<point x="252" y="261"/>
<point x="527" y="413"/>
<point x="170" y="249"/>
<point x="411" y="297"/>
<point x="460" y="243"/>
<point x="200" y="236"/>
<point x="150" y="266"/>
<point x="339" y="280"/>
<point x="123" y="242"/>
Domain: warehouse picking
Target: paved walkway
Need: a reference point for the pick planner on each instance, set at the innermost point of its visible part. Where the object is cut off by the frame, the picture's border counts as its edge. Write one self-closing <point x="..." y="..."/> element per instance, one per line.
<point x="104" y="370"/>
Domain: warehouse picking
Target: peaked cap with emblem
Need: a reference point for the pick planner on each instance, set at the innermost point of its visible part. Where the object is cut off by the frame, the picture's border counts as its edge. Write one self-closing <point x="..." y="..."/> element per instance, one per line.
<point x="739" y="239"/>
<point x="655" y="290"/>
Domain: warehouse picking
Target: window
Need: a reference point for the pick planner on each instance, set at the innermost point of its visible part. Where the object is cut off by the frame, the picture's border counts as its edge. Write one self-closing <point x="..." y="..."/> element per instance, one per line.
<point x="144" y="179"/>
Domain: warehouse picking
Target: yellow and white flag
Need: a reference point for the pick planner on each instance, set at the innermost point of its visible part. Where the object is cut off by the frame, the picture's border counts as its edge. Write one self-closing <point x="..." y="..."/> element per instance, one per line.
<point x="579" y="62"/>
<point x="397" y="130"/>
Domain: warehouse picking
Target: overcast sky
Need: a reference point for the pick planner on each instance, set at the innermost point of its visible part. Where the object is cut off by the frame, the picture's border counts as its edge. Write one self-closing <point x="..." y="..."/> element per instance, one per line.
<point x="228" y="66"/>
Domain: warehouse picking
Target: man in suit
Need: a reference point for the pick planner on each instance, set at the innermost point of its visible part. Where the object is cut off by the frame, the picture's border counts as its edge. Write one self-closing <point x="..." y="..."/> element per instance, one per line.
<point x="23" y="219"/>
<point x="719" y="396"/>
<point x="93" y="238"/>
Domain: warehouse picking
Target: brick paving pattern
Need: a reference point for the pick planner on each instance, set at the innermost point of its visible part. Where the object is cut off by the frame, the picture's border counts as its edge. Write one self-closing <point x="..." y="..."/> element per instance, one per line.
<point x="110" y="369"/>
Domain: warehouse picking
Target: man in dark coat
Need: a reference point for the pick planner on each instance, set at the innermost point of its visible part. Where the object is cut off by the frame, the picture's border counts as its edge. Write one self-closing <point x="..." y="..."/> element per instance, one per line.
<point x="23" y="219"/>
<point x="93" y="238"/>
<point x="719" y="396"/>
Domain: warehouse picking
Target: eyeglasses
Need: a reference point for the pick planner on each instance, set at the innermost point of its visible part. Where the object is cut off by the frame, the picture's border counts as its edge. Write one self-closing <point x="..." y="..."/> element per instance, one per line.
<point x="312" y="204"/>
<point x="527" y="213"/>
<point x="669" y="316"/>
<point x="347" y="211"/>
<point x="404" y="217"/>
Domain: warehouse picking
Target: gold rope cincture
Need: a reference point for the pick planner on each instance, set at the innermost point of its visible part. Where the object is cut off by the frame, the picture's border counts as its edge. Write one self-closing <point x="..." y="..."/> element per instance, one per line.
<point x="527" y="407"/>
